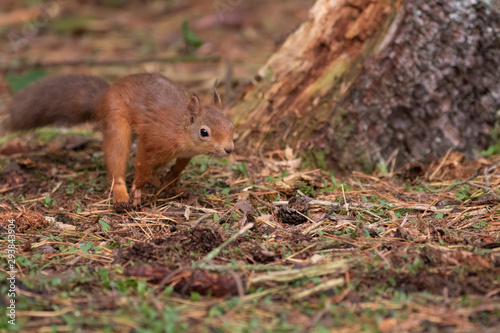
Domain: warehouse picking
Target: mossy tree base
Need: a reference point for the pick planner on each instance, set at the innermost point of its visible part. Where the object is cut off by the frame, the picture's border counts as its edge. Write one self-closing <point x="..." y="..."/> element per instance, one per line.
<point x="366" y="80"/>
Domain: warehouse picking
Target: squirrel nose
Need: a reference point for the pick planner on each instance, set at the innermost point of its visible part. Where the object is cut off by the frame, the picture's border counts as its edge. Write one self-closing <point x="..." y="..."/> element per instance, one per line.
<point x="229" y="148"/>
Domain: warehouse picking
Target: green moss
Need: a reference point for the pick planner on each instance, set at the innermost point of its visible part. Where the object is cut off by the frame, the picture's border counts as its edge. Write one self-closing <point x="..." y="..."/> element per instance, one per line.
<point x="315" y="159"/>
<point x="18" y="82"/>
<point x="331" y="77"/>
<point x="494" y="148"/>
<point x="71" y="24"/>
<point x="364" y="160"/>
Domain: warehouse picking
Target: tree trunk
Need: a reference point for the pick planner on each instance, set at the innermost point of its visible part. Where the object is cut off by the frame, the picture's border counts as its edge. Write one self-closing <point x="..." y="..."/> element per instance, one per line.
<point x="363" y="81"/>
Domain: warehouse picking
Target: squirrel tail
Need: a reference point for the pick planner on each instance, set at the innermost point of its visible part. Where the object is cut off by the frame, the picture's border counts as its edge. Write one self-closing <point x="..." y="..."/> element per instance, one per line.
<point x="56" y="100"/>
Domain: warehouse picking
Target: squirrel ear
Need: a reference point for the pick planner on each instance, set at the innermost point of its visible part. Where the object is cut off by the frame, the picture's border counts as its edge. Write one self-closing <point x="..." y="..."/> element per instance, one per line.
<point x="194" y="107"/>
<point x="217" y="100"/>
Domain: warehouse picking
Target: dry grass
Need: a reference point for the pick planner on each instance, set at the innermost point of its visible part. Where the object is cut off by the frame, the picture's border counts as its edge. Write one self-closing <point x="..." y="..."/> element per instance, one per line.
<point x="374" y="252"/>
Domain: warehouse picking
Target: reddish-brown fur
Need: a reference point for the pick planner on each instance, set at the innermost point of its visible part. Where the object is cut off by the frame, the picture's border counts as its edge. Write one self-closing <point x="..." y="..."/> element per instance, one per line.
<point x="167" y="122"/>
<point x="64" y="99"/>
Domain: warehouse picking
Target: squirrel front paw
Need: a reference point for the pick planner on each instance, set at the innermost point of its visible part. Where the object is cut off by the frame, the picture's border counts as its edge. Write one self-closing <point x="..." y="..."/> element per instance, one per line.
<point x="136" y="196"/>
<point x="121" y="198"/>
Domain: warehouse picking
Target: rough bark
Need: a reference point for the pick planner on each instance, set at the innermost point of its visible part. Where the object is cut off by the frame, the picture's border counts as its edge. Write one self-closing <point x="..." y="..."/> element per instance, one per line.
<point x="364" y="80"/>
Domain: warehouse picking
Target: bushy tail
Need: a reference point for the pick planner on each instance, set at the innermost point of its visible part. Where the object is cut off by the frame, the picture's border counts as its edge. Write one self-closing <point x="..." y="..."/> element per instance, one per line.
<point x="57" y="100"/>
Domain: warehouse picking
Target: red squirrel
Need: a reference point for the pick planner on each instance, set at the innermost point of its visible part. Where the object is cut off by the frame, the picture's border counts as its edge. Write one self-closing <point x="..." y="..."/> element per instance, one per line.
<point x="167" y="122"/>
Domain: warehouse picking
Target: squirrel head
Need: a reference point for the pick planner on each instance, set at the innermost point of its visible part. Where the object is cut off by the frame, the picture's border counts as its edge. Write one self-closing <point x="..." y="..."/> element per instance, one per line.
<point x="211" y="131"/>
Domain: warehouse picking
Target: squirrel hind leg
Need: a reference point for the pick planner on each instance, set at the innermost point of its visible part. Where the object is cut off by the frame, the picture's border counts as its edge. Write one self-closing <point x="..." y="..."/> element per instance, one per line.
<point x="145" y="168"/>
<point x="136" y="196"/>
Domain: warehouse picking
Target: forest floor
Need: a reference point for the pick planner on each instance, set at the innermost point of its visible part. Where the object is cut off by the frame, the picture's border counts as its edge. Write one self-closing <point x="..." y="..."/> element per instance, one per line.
<point x="262" y="243"/>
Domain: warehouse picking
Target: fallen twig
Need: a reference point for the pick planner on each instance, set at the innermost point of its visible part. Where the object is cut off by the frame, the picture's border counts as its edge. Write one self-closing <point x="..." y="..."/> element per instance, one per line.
<point x="338" y="266"/>
<point x="317" y="289"/>
<point x="212" y="254"/>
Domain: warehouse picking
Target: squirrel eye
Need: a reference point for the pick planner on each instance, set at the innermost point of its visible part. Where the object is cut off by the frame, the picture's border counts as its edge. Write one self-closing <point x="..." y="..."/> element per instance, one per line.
<point x="204" y="132"/>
